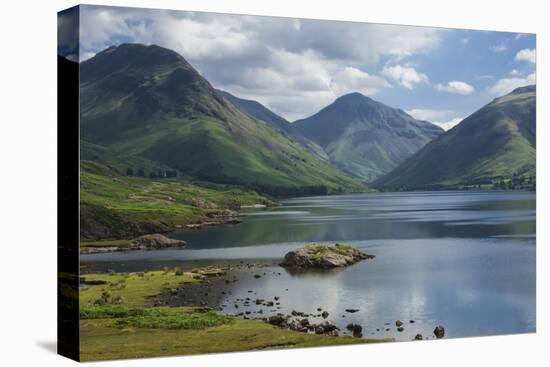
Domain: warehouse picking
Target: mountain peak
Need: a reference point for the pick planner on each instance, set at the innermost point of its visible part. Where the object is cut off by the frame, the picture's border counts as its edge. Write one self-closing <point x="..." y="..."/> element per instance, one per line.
<point x="526" y="89"/>
<point x="354" y="97"/>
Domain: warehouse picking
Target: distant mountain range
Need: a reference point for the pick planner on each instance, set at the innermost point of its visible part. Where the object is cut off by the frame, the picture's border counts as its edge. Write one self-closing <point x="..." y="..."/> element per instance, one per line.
<point x="498" y="142"/>
<point x="364" y="137"/>
<point x="146" y="109"/>
<point x="148" y="104"/>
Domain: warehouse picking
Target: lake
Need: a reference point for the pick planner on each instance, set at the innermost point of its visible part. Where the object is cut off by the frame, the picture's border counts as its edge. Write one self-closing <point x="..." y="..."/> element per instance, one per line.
<point x="465" y="260"/>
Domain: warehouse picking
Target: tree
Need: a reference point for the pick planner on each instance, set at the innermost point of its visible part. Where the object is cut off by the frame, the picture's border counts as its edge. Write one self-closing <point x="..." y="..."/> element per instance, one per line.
<point x="129" y="171"/>
<point x="141" y="172"/>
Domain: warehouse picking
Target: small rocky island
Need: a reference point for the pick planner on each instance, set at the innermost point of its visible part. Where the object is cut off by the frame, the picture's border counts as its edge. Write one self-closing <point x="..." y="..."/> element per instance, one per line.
<point x="324" y="256"/>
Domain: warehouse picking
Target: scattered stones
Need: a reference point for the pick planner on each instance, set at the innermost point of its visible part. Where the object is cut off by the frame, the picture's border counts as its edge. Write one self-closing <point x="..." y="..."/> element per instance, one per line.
<point x="352" y="310"/>
<point x="418" y="337"/>
<point x="400" y="329"/>
<point x="324" y="314"/>
<point x="356" y="329"/>
<point x="439" y="332"/>
<point x="398" y="323"/>
<point x="277" y="320"/>
<point x="257" y="276"/>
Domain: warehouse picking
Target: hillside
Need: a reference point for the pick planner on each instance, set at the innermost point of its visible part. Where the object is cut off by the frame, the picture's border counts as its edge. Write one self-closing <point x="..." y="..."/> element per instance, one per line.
<point x="148" y="103"/>
<point x="257" y="111"/>
<point x="364" y="137"/>
<point x="115" y="206"/>
<point x="496" y="143"/>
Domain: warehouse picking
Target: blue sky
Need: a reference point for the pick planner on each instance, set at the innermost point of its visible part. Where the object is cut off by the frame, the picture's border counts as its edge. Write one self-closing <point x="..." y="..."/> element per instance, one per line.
<point x="296" y="67"/>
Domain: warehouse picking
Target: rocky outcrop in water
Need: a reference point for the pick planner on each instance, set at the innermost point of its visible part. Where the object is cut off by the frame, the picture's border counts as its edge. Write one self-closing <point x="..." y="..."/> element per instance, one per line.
<point x="324" y="256"/>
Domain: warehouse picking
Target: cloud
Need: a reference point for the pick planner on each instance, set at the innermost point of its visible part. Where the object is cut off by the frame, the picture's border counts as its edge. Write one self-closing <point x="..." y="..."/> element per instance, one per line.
<point x="527" y="54"/>
<point x="520" y="36"/>
<point x="293" y="66"/>
<point x="498" y="48"/>
<point x="405" y="75"/>
<point x="486" y="76"/>
<point x="514" y="72"/>
<point x="464" y="41"/>
<point x="351" y="79"/>
<point x="445" y="119"/>
<point x="506" y="85"/>
<point x="457" y="87"/>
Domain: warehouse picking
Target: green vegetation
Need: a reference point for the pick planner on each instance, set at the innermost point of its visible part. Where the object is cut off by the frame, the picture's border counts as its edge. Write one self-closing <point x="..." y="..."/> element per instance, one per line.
<point x="114" y="206"/>
<point x="144" y="109"/>
<point x="493" y="148"/>
<point x="117" y="322"/>
<point x="132" y="289"/>
<point x="154" y="318"/>
<point x="366" y="138"/>
<point x="100" y="340"/>
<point x="321" y="251"/>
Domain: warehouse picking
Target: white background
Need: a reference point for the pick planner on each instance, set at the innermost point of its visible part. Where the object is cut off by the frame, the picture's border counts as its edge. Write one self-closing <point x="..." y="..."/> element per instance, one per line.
<point x="28" y="182"/>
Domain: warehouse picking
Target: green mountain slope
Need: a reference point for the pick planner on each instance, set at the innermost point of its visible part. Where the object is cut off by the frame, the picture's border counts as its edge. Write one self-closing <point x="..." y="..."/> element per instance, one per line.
<point x="496" y="142"/>
<point x="366" y="138"/>
<point x="148" y="102"/>
<point x="260" y="112"/>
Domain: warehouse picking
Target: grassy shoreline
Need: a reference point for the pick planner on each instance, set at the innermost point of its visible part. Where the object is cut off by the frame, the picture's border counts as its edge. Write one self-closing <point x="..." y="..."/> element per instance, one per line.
<point x="119" y="320"/>
<point x="117" y="207"/>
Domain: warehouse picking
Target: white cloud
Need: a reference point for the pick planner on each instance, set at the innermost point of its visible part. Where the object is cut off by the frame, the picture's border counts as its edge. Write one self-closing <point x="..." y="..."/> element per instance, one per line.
<point x="351" y="79"/>
<point x="465" y="41"/>
<point x="506" y="85"/>
<point x="498" y="48"/>
<point x="527" y="54"/>
<point x="445" y="119"/>
<point x="405" y="75"/>
<point x="514" y="72"/>
<point x="262" y="58"/>
<point x="457" y="87"/>
<point x="520" y="36"/>
<point x="486" y="76"/>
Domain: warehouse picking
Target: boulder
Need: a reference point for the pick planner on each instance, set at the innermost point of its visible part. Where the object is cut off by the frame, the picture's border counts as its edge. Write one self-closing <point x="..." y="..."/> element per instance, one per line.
<point x="277" y="320"/>
<point x="418" y="337"/>
<point x="324" y="256"/>
<point x="439" y="332"/>
<point x="154" y="242"/>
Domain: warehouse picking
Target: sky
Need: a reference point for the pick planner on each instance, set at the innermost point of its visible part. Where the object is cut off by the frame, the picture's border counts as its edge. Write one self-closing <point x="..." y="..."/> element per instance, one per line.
<point x="295" y="67"/>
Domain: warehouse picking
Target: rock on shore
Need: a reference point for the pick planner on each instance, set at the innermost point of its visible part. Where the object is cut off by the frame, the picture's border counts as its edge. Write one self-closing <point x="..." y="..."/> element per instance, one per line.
<point x="324" y="256"/>
<point x="154" y="242"/>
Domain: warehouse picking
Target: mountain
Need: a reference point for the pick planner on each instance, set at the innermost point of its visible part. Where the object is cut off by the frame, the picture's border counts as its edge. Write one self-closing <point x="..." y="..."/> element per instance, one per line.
<point x="262" y="113"/>
<point x="258" y="111"/>
<point x="148" y="103"/>
<point x="364" y="137"/>
<point x="494" y="143"/>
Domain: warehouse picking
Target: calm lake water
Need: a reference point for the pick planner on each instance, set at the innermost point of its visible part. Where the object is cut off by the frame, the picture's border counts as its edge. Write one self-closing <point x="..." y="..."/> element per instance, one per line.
<point x="465" y="260"/>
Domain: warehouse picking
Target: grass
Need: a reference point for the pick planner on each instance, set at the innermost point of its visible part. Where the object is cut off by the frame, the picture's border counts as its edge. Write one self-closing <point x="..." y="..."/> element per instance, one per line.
<point x="101" y="341"/>
<point x="154" y="318"/>
<point x="122" y="325"/>
<point x="107" y="243"/>
<point x="323" y="250"/>
<point x="115" y="207"/>
<point x="132" y="289"/>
